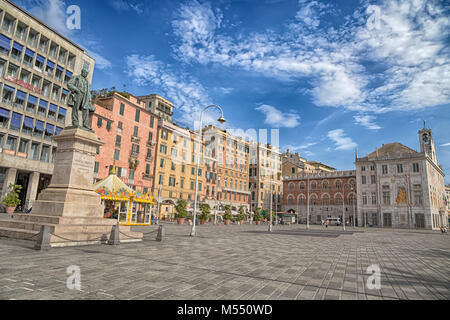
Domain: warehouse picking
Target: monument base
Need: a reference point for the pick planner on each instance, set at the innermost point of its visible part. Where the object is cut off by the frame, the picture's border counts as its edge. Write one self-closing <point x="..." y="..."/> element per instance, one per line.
<point x="69" y="206"/>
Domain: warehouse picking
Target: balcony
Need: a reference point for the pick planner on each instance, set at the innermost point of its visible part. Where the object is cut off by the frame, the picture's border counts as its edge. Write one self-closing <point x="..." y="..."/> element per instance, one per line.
<point x="146" y="176"/>
<point x="149" y="159"/>
<point x="150" y="143"/>
<point x="134" y="154"/>
<point x="135" y="139"/>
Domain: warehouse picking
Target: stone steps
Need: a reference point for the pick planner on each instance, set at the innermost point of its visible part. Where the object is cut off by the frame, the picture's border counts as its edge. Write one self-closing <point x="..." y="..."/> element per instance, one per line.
<point x="57" y="228"/>
<point x="18" y="233"/>
<point x="59" y="220"/>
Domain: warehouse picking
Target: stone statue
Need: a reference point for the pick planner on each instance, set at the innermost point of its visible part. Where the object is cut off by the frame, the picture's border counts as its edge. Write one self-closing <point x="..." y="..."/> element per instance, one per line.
<point x="80" y="99"/>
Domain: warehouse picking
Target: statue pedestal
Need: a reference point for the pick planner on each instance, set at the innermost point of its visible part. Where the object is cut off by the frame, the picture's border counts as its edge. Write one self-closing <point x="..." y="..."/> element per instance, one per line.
<point x="69" y="205"/>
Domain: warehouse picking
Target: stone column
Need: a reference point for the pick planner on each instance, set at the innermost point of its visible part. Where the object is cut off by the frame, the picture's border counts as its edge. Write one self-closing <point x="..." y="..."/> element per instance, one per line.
<point x="33" y="184"/>
<point x="10" y="177"/>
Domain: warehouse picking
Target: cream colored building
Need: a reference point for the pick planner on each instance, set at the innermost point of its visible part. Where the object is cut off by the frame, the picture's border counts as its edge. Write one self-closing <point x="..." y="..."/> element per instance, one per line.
<point x="400" y="187"/>
<point x="265" y="177"/>
<point x="36" y="62"/>
<point x="293" y="164"/>
<point x="227" y="156"/>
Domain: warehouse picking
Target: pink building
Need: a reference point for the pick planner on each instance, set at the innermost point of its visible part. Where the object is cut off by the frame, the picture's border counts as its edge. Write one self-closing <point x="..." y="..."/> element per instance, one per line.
<point x="129" y="131"/>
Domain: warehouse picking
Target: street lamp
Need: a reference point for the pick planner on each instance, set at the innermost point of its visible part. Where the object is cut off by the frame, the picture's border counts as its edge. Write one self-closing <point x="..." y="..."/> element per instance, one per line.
<point x="343" y="204"/>
<point x="221" y="120"/>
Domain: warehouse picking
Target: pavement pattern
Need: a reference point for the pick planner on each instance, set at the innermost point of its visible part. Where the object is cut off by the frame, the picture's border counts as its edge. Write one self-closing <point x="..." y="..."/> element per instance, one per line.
<point x="234" y="262"/>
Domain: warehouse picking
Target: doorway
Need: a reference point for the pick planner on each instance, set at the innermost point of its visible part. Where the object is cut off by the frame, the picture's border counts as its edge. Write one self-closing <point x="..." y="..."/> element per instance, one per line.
<point x="420" y="221"/>
<point x="22" y="180"/>
<point x="387" y="220"/>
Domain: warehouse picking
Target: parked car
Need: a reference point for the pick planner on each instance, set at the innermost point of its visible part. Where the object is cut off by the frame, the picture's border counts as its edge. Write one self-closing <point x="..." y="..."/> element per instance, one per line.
<point x="334" y="221"/>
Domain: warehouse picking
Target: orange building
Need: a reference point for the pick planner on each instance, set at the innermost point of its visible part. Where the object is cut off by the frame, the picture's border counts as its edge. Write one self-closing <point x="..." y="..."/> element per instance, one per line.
<point x="129" y="131"/>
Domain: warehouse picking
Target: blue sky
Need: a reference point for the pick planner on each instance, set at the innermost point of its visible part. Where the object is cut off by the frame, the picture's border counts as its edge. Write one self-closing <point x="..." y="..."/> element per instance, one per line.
<point x="331" y="76"/>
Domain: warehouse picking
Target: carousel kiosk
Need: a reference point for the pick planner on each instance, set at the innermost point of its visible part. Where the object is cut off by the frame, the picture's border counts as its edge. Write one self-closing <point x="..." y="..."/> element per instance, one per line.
<point x="129" y="207"/>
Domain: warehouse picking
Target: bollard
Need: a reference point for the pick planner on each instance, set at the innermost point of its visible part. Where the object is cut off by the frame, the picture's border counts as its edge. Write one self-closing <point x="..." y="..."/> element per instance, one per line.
<point x="160" y="235"/>
<point x="114" y="237"/>
<point x="43" y="241"/>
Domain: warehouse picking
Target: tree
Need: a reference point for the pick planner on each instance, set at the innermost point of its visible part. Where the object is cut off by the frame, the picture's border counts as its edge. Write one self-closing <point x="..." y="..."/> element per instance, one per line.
<point x="181" y="209"/>
<point x="206" y="212"/>
<point x="228" y="215"/>
<point x="258" y="214"/>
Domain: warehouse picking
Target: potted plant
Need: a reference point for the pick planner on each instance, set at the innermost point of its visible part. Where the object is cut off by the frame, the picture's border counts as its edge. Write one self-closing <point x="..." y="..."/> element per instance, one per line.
<point x="227" y="217"/>
<point x="258" y="216"/>
<point x="206" y="213"/>
<point x="182" y="213"/>
<point x="241" y="216"/>
<point x="11" y="200"/>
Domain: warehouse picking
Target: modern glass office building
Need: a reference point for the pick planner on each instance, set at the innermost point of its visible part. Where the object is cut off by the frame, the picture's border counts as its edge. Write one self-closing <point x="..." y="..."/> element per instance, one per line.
<point x="36" y="64"/>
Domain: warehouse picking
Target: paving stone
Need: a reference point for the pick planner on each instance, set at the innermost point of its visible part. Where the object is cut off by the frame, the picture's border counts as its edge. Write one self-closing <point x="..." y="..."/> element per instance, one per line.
<point x="224" y="263"/>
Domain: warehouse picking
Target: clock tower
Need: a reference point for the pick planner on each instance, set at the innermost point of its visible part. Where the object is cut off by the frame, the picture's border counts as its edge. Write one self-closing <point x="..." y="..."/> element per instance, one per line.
<point x="427" y="143"/>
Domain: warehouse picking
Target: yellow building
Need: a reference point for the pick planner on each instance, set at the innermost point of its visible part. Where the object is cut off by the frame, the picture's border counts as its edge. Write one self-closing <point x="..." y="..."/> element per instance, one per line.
<point x="175" y="167"/>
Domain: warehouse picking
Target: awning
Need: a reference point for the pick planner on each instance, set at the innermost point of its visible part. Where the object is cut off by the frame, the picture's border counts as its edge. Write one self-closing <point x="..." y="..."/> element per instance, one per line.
<point x="50" y="64"/>
<point x="41" y="59"/>
<point x="53" y="107"/>
<point x="18" y="46"/>
<point x="65" y="91"/>
<point x="60" y="68"/>
<point x="28" y="122"/>
<point x="43" y="103"/>
<point x="5" y="87"/>
<point x="29" y="53"/>
<point x="5" y="42"/>
<point x="69" y="74"/>
<point x="58" y="130"/>
<point x="50" y="129"/>
<point x="32" y="99"/>
<point x="16" y="120"/>
<point x="21" y="95"/>
<point x="39" y="126"/>
<point x="4" y="113"/>
<point x="62" y="111"/>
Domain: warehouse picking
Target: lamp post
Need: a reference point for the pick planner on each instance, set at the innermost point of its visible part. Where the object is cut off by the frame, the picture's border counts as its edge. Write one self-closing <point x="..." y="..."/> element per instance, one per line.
<point x="343" y="204"/>
<point x="220" y="120"/>
<point x="307" y="206"/>
<point x="271" y="198"/>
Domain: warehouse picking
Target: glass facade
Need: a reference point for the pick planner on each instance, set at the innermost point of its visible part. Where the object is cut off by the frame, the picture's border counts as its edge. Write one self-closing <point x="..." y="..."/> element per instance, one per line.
<point x="34" y="72"/>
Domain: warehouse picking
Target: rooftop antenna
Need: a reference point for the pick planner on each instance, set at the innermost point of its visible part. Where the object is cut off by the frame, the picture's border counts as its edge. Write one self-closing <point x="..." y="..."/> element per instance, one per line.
<point x="424" y="126"/>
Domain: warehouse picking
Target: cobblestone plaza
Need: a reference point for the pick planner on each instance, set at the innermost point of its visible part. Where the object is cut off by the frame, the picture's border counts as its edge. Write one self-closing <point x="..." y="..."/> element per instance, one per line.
<point x="236" y="262"/>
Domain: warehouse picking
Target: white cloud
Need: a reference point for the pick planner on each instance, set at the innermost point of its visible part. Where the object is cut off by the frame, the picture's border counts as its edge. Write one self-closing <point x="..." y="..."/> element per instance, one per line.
<point x="445" y="144"/>
<point x="341" y="140"/>
<point x="367" y="122"/>
<point x="409" y="50"/>
<point x="188" y="95"/>
<point x="278" y="119"/>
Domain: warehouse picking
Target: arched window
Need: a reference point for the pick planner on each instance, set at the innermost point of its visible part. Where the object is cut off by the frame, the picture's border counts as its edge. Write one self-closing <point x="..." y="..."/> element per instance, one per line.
<point x="302" y="186"/>
<point x="313" y="185"/>
<point x="325" y="185"/>
<point x="290" y="200"/>
<point x="313" y="200"/>
<point x="302" y="200"/>
<point x="351" y="199"/>
<point x="338" y="199"/>
<point x="291" y="186"/>
<point x="338" y="184"/>
<point x="325" y="200"/>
